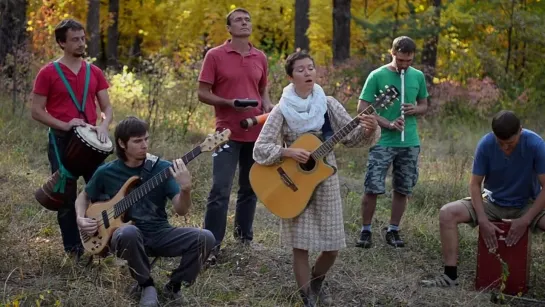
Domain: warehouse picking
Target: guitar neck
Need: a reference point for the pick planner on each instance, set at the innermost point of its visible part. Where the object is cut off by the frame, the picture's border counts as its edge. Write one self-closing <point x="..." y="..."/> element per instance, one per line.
<point x="137" y="194"/>
<point x="328" y="145"/>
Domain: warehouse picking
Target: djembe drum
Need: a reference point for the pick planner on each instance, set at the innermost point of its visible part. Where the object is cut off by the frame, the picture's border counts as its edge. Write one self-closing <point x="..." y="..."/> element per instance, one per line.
<point x="83" y="154"/>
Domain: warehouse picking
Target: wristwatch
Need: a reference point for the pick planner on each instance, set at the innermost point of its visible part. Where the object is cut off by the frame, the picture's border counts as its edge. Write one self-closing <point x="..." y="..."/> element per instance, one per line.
<point x="391" y="125"/>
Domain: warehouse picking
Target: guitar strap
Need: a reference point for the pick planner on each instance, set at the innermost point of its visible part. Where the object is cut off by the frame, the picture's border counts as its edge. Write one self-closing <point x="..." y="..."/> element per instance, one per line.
<point x="327" y="131"/>
<point x="149" y="164"/>
<point x="80" y="106"/>
<point x="65" y="175"/>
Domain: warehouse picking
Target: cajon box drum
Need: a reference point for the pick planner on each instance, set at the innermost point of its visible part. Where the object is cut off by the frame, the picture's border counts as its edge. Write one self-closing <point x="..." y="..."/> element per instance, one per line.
<point x="517" y="258"/>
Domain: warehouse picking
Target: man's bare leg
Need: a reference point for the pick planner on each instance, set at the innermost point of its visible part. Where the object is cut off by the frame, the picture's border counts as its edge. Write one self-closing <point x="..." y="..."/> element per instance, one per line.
<point x="541" y="223"/>
<point x="368" y="206"/>
<point x="399" y="203"/>
<point x="450" y="216"/>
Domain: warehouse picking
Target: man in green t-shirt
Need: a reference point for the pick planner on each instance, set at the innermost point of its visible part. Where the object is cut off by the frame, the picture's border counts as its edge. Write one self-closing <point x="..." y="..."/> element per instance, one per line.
<point x="151" y="232"/>
<point x="391" y="148"/>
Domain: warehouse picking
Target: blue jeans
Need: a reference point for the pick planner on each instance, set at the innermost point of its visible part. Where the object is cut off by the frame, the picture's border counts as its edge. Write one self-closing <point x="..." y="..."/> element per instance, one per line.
<point x="66" y="216"/>
<point x="224" y="167"/>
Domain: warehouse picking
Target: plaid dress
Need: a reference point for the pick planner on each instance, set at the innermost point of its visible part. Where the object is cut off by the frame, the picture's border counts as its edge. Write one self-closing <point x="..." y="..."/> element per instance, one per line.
<point x="320" y="226"/>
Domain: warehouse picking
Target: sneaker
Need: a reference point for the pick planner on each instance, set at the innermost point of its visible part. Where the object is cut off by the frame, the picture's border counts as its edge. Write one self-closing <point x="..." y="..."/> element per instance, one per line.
<point x="76" y="259"/>
<point x="320" y="290"/>
<point x="251" y="245"/>
<point x="365" y="240"/>
<point x="393" y="239"/>
<point x="442" y="281"/>
<point x="172" y="296"/>
<point x="134" y="291"/>
<point x="148" y="297"/>
<point x="212" y="258"/>
<point x="308" y="299"/>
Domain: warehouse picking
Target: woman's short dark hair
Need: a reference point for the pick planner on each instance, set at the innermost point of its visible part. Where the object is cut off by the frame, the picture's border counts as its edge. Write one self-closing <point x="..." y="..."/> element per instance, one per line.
<point x="290" y="60"/>
<point x="64" y="26"/>
<point x="505" y="124"/>
<point x="131" y="126"/>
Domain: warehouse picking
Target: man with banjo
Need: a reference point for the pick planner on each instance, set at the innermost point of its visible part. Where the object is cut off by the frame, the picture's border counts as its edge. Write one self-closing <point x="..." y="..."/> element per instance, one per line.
<point x="63" y="98"/>
<point x="399" y="143"/>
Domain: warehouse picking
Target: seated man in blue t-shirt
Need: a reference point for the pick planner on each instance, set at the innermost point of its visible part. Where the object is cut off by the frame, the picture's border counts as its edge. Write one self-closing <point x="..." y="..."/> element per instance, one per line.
<point x="511" y="160"/>
<point x="151" y="231"/>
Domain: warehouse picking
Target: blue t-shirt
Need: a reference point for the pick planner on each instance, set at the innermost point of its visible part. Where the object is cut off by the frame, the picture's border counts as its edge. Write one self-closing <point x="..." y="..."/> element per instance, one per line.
<point x="512" y="180"/>
<point x="149" y="214"/>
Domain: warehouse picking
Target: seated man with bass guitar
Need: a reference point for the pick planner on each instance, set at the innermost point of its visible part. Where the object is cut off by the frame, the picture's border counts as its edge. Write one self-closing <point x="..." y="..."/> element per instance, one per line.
<point x="151" y="231"/>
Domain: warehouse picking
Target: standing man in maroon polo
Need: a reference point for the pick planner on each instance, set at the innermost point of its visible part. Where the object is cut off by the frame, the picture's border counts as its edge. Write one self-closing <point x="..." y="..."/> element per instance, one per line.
<point x="234" y="70"/>
<point x="58" y="102"/>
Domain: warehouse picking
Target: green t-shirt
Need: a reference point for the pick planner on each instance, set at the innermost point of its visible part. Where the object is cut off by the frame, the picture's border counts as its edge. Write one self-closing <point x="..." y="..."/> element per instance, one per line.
<point x="415" y="88"/>
<point x="149" y="214"/>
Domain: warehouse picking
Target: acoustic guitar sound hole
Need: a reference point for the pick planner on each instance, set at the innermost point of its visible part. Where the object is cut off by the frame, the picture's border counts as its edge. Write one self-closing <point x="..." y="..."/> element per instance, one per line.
<point x="310" y="165"/>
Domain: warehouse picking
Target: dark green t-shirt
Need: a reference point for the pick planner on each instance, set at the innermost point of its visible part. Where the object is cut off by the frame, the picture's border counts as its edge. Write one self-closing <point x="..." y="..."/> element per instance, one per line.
<point x="415" y="89"/>
<point x="149" y="214"/>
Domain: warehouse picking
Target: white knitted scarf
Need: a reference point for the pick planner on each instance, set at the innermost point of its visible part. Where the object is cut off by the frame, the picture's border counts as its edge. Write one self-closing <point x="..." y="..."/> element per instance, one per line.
<point x="303" y="115"/>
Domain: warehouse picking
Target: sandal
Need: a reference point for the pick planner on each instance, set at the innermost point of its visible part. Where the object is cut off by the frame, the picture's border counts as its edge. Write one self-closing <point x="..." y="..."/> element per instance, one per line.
<point x="442" y="281"/>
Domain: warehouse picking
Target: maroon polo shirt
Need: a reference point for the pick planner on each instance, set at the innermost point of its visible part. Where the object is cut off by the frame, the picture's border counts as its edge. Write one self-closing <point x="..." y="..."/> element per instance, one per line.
<point x="59" y="102"/>
<point x="235" y="76"/>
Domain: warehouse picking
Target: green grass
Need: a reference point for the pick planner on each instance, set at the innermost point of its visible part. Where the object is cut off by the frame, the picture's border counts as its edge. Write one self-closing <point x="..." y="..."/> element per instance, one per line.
<point x="34" y="272"/>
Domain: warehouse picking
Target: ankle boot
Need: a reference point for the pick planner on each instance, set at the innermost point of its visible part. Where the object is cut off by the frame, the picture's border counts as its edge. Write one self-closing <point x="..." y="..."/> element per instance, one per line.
<point x="308" y="299"/>
<point x="319" y="289"/>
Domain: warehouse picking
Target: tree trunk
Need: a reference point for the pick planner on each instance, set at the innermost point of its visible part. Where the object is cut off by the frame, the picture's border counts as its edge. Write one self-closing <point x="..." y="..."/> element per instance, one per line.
<point x="102" y="60"/>
<point x="301" y="24"/>
<point x="113" y="34"/>
<point x="396" y="21"/>
<point x="510" y="37"/>
<point x="12" y="26"/>
<point x="136" y="49"/>
<point x="429" y="52"/>
<point x="93" y="28"/>
<point x="341" y="30"/>
<point x="524" y="50"/>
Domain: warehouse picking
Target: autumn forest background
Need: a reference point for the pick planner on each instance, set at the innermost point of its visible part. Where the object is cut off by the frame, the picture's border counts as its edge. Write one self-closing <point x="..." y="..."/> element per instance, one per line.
<point x="478" y="57"/>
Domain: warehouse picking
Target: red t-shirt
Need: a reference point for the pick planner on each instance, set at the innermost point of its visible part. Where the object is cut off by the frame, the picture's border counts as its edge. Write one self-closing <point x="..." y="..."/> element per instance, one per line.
<point x="59" y="102"/>
<point x="235" y="76"/>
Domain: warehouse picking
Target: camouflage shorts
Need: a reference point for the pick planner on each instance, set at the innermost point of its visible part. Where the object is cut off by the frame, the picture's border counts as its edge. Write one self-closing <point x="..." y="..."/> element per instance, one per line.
<point x="404" y="161"/>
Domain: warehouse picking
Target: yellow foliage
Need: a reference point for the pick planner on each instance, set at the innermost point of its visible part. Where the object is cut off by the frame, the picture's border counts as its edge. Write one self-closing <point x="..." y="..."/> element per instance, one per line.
<point x="184" y="28"/>
<point x="44" y="15"/>
<point x="126" y="87"/>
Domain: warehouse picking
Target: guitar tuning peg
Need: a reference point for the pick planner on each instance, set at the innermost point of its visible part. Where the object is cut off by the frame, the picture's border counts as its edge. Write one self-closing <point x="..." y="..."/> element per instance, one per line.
<point x="220" y="149"/>
<point x="226" y="146"/>
<point x="214" y="155"/>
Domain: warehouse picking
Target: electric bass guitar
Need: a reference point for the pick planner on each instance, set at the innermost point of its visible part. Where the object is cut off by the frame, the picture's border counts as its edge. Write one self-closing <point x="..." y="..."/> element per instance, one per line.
<point x="285" y="188"/>
<point x="110" y="214"/>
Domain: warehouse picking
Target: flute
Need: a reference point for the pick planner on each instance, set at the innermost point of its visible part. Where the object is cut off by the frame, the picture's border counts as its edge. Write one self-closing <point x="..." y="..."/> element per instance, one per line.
<point x="403" y="102"/>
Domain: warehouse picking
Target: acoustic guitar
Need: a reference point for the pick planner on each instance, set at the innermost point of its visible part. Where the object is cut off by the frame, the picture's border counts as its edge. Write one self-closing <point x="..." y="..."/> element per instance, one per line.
<point x="110" y="214"/>
<point x="285" y="188"/>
